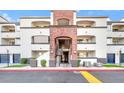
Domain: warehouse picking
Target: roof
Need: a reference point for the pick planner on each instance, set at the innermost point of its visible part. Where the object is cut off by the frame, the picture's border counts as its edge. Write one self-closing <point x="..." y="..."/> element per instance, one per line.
<point x="35" y="17"/>
<point x="63" y="10"/>
<point x="92" y="17"/>
<point x="16" y="23"/>
<point x="4" y="18"/>
<point x="110" y="22"/>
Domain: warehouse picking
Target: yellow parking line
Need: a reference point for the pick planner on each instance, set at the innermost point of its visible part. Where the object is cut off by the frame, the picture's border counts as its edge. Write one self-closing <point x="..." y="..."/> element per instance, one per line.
<point x="90" y="78"/>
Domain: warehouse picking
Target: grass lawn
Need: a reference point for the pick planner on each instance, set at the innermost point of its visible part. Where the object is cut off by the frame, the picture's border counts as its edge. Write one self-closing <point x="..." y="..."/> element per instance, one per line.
<point x="17" y="65"/>
<point x="111" y="65"/>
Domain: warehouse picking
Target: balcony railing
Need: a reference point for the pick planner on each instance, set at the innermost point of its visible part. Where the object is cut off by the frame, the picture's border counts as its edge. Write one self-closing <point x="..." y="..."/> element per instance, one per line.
<point x="79" y="42"/>
<point x="87" y="57"/>
<point x="9" y="45"/>
<point x="115" y="44"/>
<point x="118" y="30"/>
<point x="40" y="43"/>
<point x="7" y="31"/>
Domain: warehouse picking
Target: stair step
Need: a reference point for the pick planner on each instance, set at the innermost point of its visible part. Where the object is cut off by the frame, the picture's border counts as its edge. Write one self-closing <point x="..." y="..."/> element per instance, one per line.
<point x="65" y="65"/>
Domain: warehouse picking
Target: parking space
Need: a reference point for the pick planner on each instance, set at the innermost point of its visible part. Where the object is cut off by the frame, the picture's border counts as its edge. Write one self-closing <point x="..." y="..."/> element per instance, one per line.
<point x="41" y="77"/>
<point x="109" y="76"/>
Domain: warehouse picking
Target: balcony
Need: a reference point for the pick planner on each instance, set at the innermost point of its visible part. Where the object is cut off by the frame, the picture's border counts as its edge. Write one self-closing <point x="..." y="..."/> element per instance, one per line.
<point x="86" y="39"/>
<point x="40" y="42"/>
<point x="10" y="42"/>
<point x="114" y="44"/>
<point x="118" y="28"/>
<point x="40" y="39"/>
<point x="40" y="24"/>
<point x="86" y="23"/>
<point x="115" y="41"/>
<point x="87" y="56"/>
<point x="8" y="28"/>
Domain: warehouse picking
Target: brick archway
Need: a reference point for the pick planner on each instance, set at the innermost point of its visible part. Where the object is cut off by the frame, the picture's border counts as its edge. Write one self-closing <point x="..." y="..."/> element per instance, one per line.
<point x="63" y="32"/>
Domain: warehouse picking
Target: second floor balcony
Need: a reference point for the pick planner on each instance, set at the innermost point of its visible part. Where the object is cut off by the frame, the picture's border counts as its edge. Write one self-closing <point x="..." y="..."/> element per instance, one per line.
<point x="8" y="28"/>
<point x="40" y="39"/>
<point x="86" y="39"/>
<point x="115" y="41"/>
<point x="10" y="41"/>
<point x="86" y="54"/>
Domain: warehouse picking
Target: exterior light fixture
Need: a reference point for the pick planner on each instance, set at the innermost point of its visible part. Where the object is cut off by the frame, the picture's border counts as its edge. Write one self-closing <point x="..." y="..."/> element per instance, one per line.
<point x="74" y="51"/>
<point x="51" y="51"/>
<point x="40" y="53"/>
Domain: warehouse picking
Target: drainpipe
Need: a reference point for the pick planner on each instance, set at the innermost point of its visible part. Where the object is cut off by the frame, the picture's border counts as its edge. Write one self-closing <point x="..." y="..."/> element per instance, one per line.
<point x="7" y="58"/>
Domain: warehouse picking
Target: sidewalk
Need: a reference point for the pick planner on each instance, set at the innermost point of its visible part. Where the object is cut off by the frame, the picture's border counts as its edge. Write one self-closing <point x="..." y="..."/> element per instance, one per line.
<point x="29" y="69"/>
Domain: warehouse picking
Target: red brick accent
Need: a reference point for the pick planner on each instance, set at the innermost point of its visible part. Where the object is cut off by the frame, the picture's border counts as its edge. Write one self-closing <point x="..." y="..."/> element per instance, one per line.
<point x="63" y="31"/>
<point x="67" y="32"/>
<point x="58" y="14"/>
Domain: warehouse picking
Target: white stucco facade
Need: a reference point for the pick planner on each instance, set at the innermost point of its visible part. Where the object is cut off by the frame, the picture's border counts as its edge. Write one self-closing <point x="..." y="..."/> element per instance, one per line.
<point x="97" y="38"/>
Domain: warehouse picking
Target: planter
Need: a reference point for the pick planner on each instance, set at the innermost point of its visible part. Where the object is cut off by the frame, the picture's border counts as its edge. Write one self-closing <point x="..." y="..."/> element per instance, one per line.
<point x="87" y="64"/>
<point x="33" y="63"/>
<point x="43" y="63"/>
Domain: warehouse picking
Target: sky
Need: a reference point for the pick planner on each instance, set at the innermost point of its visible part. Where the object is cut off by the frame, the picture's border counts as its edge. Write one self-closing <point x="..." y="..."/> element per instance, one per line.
<point x="13" y="15"/>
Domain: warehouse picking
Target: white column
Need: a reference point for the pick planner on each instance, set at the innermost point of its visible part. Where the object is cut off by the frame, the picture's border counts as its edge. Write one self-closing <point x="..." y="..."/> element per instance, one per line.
<point x="11" y="58"/>
<point x="58" y="60"/>
<point x="51" y="17"/>
<point x="117" y="58"/>
<point x="74" y="22"/>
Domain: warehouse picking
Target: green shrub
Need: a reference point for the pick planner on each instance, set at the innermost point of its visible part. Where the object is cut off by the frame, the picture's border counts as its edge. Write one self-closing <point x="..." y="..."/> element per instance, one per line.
<point x="78" y="62"/>
<point x="23" y="60"/>
<point x="43" y="63"/>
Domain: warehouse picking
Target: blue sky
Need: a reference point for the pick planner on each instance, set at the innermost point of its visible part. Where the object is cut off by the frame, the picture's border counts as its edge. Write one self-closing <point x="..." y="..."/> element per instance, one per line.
<point x="13" y="15"/>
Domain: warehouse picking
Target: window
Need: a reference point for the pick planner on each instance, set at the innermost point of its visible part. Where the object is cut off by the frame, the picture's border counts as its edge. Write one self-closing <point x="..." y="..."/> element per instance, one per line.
<point x="63" y="21"/>
<point x="40" y="39"/>
<point x="16" y="58"/>
<point x="4" y="58"/>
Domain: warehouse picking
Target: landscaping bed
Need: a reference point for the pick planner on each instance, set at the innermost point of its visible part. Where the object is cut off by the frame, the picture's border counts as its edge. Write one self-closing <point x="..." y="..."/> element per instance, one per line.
<point x="111" y="65"/>
<point x="18" y="65"/>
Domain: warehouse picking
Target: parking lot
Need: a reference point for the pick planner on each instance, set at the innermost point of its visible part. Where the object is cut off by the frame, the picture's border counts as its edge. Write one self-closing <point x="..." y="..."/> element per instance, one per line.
<point x="62" y="77"/>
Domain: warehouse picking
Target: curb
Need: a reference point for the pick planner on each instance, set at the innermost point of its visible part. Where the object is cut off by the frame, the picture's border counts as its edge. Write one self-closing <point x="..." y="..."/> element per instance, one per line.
<point x="62" y="70"/>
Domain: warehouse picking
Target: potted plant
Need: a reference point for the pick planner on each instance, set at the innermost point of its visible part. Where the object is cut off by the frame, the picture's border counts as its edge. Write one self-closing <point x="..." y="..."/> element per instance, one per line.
<point x="78" y="62"/>
<point x="43" y="63"/>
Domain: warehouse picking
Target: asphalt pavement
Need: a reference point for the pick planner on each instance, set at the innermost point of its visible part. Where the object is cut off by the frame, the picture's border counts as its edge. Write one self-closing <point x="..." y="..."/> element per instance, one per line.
<point x="62" y="77"/>
<point x="41" y="77"/>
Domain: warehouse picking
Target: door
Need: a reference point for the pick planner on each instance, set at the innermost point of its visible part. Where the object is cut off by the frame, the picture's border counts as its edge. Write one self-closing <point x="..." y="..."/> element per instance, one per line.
<point x="64" y="57"/>
<point x="111" y="58"/>
<point x="16" y="58"/>
<point x="122" y="58"/>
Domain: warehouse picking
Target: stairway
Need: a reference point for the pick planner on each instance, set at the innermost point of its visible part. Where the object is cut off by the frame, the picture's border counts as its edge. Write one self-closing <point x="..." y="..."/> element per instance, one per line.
<point x="45" y="56"/>
<point x="65" y="65"/>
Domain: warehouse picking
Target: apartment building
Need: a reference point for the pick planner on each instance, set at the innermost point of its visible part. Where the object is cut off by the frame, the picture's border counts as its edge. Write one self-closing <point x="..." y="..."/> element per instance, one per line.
<point x="62" y="39"/>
